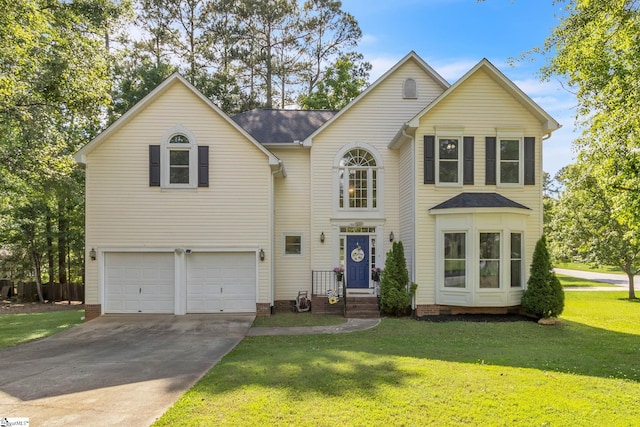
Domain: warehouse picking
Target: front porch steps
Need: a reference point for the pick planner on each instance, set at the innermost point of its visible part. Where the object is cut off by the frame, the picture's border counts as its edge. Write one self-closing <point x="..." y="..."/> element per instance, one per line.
<point x="362" y="307"/>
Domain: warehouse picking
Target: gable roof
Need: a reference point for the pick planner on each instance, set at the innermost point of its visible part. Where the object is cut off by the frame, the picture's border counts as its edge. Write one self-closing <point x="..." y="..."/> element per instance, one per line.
<point x="270" y="126"/>
<point x="81" y="155"/>
<point x="549" y="123"/>
<point x="411" y="56"/>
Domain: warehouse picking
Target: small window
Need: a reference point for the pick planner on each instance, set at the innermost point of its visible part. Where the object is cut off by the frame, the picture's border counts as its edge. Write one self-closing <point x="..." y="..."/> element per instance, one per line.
<point x="490" y="260"/>
<point x="449" y="152"/>
<point x="293" y="244"/>
<point x="516" y="260"/>
<point x="455" y="260"/>
<point x="410" y="89"/>
<point x="179" y="139"/>
<point x="510" y="166"/>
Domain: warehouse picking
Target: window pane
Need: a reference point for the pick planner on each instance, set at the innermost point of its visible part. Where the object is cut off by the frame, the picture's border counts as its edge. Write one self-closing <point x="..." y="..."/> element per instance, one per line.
<point x="516" y="273"/>
<point x="178" y="158"/>
<point x="489" y="274"/>
<point x="358" y="188"/>
<point x="293" y="245"/>
<point x="509" y="172"/>
<point x="516" y="260"/>
<point x="179" y="175"/>
<point x="448" y="171"/>
<point x="509" y="149"/>
<point x="454" y="273"/>
<point x="489" y="245"/>
<point x="179" y="139"/>
<point x="516" y="245"/>
<point x="448" y="149"/>
<point x="489" y="260"/>
<point x="455" y="264"/>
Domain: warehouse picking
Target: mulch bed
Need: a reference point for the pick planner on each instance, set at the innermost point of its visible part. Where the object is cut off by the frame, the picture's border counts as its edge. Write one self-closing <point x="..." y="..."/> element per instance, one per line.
<point x="10" y="307"/>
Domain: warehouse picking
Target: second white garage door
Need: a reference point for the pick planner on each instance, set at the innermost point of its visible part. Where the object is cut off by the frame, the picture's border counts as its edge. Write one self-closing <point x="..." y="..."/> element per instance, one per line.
<point x="221" y="282"/>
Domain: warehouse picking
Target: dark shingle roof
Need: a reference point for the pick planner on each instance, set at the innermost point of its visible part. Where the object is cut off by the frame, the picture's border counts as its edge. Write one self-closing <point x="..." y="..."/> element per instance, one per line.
<point x="479" y="200"/>
<point x="281" y="126"/>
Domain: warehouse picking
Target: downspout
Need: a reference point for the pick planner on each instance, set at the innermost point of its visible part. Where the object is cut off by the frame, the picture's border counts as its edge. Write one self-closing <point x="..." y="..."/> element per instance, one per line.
<point x="413" y="213"/>
<point x="272" y="245"/>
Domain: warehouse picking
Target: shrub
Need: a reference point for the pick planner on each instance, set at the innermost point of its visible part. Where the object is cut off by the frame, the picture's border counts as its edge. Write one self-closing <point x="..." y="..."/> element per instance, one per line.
<point x="395" y="290"/>
<point x="544" y="296"/>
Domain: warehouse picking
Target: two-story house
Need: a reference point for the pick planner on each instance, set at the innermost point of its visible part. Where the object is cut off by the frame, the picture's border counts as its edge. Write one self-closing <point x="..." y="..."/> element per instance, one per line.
<point x="189" y="210"/>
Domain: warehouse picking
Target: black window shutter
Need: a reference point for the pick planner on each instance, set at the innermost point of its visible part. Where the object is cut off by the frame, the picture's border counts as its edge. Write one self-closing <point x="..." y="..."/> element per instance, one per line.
<point x="429" y="159"/>
<point x="203" y="166"/>
<point x="490" y="173"/>
<point x="529" y="160"/>
<point x="467" y="155"/>
<point x="154" y="166"/>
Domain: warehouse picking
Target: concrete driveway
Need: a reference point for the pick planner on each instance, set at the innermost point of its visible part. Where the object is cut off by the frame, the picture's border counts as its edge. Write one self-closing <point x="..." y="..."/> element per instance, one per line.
<point x="114" y="370"/>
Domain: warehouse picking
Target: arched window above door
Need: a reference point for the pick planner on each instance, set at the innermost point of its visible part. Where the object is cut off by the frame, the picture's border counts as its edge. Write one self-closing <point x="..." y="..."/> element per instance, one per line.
<point x="358" y="180"/>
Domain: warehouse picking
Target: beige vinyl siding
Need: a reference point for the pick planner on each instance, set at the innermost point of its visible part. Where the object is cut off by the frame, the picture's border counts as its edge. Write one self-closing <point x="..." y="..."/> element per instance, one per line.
<point x="374" y="121"/>
<point x="292" y="216"/>
<point x="122" y="210"/>
<point x="480" y="106"/>
<point x="407" y="197"/>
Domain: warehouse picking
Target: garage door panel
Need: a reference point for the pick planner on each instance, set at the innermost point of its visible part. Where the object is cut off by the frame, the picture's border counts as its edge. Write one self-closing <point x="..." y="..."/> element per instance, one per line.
<point x="221" y="282"/>
<point x="137" y="282"/>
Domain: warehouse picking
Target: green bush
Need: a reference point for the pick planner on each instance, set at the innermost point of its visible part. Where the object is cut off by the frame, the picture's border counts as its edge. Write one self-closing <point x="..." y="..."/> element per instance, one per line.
<point x="544" y="296"/>
<point x="395" y="290"/>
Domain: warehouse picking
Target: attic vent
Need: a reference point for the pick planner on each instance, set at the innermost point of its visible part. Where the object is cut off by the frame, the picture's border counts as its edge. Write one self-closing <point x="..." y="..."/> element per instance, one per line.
<point x="410" y="89"/>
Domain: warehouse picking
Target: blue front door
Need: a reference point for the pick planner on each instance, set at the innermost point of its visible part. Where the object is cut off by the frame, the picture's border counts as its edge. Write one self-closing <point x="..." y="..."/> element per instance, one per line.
<point x="357" y="257"/>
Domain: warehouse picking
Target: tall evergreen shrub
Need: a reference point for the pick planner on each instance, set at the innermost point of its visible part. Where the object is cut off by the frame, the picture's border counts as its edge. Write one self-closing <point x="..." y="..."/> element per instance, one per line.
<point x="395" y="289"/>
<point x="544" y="296"/>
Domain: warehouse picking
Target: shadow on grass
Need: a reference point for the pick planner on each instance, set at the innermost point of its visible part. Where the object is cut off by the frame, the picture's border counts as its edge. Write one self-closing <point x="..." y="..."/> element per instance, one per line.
<point x="349" y="364"/>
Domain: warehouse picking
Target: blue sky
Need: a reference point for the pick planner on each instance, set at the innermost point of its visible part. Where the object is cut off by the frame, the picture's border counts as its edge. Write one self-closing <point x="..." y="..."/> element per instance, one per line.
<point x="453" y="35"/>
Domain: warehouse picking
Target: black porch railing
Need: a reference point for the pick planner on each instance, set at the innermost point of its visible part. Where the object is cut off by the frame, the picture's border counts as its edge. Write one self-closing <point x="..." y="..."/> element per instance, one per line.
<point x="324" y="281"/>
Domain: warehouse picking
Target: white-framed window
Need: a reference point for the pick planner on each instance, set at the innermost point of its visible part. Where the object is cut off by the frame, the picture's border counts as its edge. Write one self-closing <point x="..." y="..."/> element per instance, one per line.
<point x="449" y="160"/>
<point x="510" y="161"/>
<point x="293" y="244"/>
<point x="179" y="159"/>
<point x="455" y="260"/>
<point x="489" y="260"/>
<point x="358" y="180"/>
<point x="516" y="267"/>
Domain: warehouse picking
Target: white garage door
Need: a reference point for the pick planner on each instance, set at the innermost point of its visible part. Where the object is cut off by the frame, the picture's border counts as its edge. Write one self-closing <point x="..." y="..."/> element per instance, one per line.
<point x="139" y="282"/>
<point x="221" y="282"/>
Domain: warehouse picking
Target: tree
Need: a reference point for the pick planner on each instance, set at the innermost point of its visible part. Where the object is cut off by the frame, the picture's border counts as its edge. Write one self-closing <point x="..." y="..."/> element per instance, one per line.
<point x="342" y="82"/>
<point x="586" y="219"/>
<point x="544" y="296"/>
<point x="395" y="290"/>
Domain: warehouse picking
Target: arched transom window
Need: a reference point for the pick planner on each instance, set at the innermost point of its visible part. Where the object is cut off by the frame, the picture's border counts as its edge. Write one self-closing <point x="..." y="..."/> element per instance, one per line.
<point x="358" y="180"/>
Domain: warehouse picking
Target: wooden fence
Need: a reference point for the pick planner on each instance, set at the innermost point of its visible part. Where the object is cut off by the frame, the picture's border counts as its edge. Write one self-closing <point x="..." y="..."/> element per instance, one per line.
<point x="27" y="292"/>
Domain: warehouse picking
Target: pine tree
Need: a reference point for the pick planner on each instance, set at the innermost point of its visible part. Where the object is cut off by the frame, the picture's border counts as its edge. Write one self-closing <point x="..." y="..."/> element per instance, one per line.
<point x="544" y="296"/>
<point x="396" y="292"/>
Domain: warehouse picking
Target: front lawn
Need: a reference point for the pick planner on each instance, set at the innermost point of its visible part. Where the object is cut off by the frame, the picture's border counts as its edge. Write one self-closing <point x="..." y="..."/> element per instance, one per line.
<point x="20" y="328"/>
<point x="406" y="372"/>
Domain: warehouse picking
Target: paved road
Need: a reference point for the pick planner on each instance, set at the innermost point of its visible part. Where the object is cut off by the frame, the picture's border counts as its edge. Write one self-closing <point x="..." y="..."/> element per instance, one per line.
<point x="619" y="280"/>
<point x="114" y="370"/>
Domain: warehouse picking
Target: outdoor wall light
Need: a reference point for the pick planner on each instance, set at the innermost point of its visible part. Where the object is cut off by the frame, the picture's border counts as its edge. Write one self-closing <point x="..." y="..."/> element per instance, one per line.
<point x="261" y="254"/>
<point x="92" y="254"/>
<point x="322" y="237"/>
<point x="391" y="237"/>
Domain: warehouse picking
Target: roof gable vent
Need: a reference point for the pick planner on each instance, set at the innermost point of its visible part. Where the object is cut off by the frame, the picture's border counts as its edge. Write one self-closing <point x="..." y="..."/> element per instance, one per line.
<point x="410" y="89"/>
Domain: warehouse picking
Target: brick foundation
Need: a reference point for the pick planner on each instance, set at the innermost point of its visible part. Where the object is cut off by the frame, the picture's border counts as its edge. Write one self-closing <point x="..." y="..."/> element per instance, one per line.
<point x="263" y="309"/>
<point x="284" y="306"/>
<point x="91" y="311"/>
<point x="441" y="310"/>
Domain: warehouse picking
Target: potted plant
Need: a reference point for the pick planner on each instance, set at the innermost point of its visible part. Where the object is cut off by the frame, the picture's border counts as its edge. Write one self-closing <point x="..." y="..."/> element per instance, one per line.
<point x="375" y="274"/>
<point x="339" y="271"/>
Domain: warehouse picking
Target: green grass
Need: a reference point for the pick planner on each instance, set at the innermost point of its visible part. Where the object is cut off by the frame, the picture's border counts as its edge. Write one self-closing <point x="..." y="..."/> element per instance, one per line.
<point x="582" y="283"/>
<point x="582" y="372"/>
<point x="20" y="328"/>
<point x="298" y="319"/>
<point x="586" y="267"/>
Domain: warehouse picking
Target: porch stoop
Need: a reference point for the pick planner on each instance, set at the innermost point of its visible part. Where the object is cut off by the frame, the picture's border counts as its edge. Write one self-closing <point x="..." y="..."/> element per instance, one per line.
<point x="361" y="307"/>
